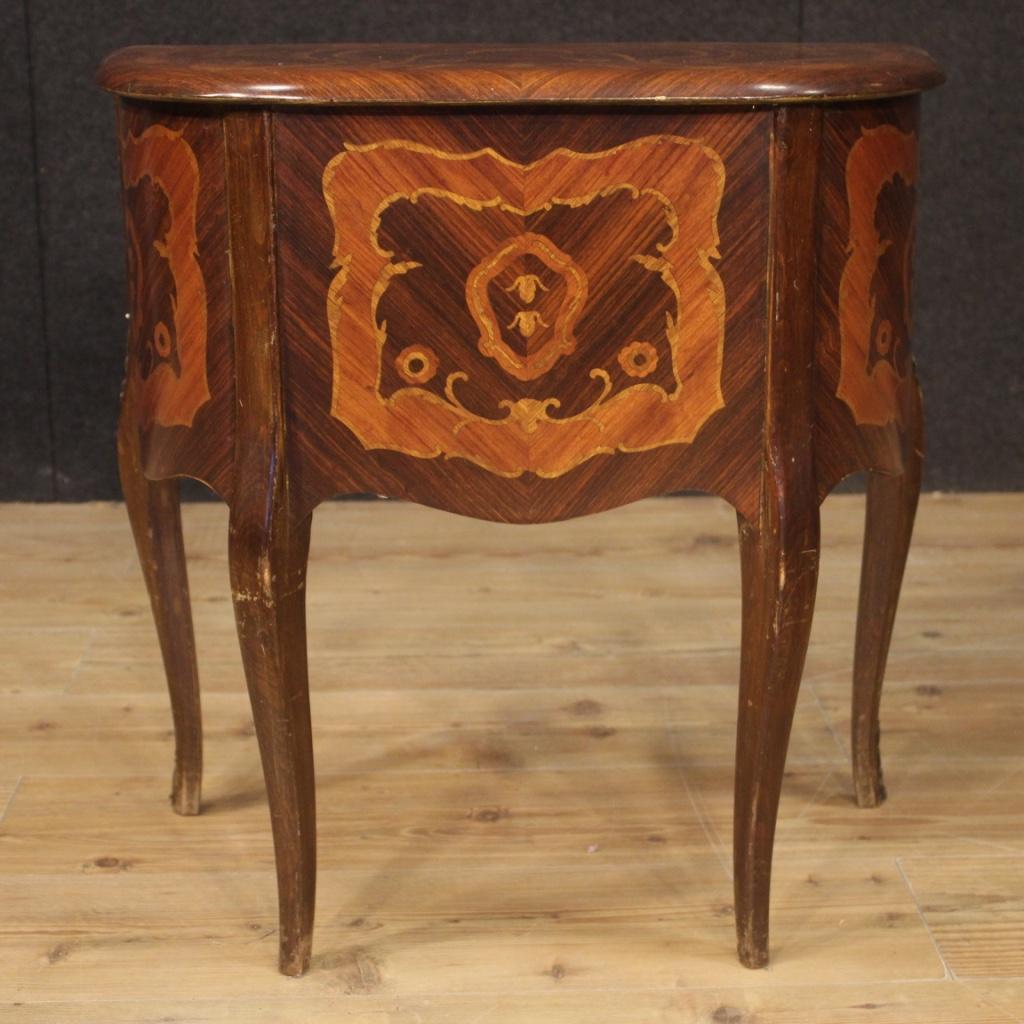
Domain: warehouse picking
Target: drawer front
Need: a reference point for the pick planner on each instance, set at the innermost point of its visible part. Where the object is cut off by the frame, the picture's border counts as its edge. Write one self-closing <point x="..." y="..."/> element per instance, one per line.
<point x="522" y="315"/>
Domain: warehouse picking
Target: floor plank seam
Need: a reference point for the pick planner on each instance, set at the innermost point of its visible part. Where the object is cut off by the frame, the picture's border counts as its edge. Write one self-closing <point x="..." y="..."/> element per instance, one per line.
<point x="924" y="920"/>
<point x="83" y="657"/>
<point x="1006" y="850"/>
<point x="707" y="828"/>
<point x="10" y="799"/>
<point x="430" y="995"/>
<point x="1010" y="854"/>
<point x="827" y="719"/>
<point x="554" y="768"/>
<point x="980" y="996"/>
<point x="809" y="802"/>
<point x="999" y="783"/>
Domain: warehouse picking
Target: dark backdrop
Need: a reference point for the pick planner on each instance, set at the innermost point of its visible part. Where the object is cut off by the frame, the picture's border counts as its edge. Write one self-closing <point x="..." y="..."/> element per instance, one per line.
<point x="62" y="292"/>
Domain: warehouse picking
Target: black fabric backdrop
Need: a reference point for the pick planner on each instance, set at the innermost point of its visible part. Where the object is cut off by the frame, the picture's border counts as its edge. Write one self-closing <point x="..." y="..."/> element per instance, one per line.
<point x="62" y="291"/>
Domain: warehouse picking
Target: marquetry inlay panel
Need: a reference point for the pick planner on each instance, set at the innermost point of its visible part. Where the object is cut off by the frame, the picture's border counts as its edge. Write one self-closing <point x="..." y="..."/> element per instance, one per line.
<point x="168" y="301"/>
<point x="874" y="292"/>
<point x="525" y="317"/>
<point x="865" y="388"/>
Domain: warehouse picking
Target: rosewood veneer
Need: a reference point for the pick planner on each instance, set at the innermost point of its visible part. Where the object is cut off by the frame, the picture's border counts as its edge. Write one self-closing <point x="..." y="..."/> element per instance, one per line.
<point x="521" y="284"/>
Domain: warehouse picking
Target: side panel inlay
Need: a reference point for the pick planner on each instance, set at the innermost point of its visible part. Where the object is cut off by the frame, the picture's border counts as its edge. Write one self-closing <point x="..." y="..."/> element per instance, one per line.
<point x="874" y="292"/>
<point x="525" y="317"/>
<point x="168" y="301"/>
<point x="865" y="386"/>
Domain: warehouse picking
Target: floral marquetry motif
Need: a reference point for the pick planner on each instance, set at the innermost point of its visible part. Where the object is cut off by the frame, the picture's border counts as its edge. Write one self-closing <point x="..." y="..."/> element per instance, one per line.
<point x="417" y="364"/>
<point x="568" y="297"/>
<point x="638" y="359"/>
<point x="166" y="287"/>
<point x="874" y="292"/>
<point x="525" y="317"/>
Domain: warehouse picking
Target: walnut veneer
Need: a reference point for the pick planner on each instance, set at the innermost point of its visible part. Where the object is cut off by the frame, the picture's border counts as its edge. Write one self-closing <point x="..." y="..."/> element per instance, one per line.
<point x="522" y="284"/>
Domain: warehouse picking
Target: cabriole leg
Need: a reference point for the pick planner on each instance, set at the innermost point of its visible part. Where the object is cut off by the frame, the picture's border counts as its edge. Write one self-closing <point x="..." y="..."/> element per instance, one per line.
<point x="154" y="510"/>
<point x="889" y="522"/>
<point x="778" y="550"/>
<point x="779" y="557"/>
<point x="268" y="583"/>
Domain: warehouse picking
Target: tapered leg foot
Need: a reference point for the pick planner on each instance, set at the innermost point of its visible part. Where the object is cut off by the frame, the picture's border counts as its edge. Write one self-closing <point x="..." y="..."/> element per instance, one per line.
<point x="268" y="582"/>
<point x="889" y="523"/>
<point x="186" y="791"/>
<point x="779" y="557"/>
<point x="155" y="514"/>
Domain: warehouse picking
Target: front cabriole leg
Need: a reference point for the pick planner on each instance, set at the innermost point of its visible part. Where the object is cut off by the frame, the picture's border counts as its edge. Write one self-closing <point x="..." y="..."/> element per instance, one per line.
<point x="779" y="551"/>
<point x="268" y="576"/>
<point x="779" y="558"/>
<point x="269" y="545"/>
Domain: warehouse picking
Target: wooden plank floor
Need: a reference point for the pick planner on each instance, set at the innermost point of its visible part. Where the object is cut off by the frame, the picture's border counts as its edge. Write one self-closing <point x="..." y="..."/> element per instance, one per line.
<point x="524" y="749"/>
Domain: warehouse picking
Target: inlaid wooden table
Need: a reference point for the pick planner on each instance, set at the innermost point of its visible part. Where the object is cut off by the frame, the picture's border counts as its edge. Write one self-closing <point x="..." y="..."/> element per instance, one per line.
<point x="521" y="284"/>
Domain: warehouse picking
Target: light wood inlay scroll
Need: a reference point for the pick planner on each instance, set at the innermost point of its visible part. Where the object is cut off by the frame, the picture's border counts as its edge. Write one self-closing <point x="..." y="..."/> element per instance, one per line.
<point x="673" y="188"/>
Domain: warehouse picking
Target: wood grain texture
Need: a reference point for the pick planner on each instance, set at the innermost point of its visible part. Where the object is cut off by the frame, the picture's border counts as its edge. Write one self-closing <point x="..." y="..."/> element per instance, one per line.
<point x="179" y="346"/>
<point x="334" y="302"/>
<point x="470" y="73"/>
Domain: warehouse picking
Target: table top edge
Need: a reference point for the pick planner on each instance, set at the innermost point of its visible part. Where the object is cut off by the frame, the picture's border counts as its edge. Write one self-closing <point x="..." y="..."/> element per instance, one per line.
<point x="510" y="74"/>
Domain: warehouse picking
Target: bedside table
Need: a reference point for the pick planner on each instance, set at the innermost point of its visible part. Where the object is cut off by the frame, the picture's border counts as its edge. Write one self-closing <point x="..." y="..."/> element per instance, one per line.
<point x="521" y="284"/>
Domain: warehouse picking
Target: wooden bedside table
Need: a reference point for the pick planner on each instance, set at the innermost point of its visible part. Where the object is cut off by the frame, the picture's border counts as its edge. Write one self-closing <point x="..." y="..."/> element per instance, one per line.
<point x="521" y="284"/>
